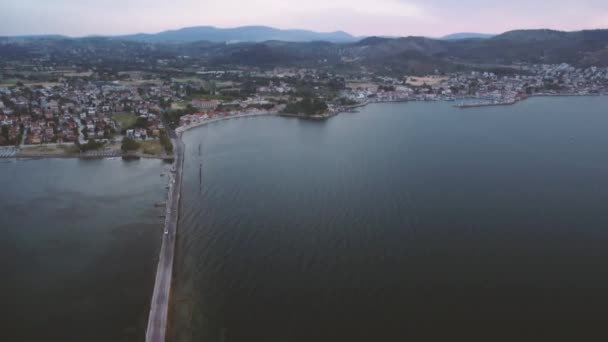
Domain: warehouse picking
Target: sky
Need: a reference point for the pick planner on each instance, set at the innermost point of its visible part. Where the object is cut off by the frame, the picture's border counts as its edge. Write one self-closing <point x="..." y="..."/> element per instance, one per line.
<point x="431" y="18"/>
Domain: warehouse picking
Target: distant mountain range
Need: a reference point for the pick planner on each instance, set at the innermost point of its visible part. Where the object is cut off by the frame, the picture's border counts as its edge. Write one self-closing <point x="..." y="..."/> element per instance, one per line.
<point x="240" y="34"/>
<point x="467" y="35"/>
<point x="267" y="47"/>
<point x="217" y="35"/>
<point x="258" y="34"/>
<point x="419" y="55"/>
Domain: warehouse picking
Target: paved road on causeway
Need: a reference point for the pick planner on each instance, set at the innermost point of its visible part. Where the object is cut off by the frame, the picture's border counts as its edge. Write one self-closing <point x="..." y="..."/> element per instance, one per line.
<point x="159" y="308"/>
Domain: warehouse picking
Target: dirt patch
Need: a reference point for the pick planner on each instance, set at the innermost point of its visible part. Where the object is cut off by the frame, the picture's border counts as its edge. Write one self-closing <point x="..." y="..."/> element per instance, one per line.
<point x="428" y="80"/>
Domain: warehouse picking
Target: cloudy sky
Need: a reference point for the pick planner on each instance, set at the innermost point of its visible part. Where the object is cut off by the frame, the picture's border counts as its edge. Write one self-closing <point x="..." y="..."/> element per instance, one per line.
<point x="359" y="17"/>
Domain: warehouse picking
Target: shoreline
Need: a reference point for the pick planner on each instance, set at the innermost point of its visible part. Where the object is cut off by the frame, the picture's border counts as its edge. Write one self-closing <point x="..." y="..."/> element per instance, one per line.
<point x="342" y="110"/>
<point x="316" y="117"/>
<point x="509" y="103"/>
<point x="125" y="156"/>
<point x="66" y="151"/>
<point x="182" y="129"/>
<point x="517" y="100"/>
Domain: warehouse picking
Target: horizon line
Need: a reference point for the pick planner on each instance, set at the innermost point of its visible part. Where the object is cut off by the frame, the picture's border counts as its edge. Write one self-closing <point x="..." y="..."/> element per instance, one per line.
<point x="95" y="35"/>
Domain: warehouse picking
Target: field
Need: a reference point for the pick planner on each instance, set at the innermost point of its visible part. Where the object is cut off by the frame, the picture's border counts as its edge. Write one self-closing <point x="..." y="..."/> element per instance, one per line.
<point x="211" y="97"/>
<point x="9" y="82"/>
<point x="151" y="147"/>
<point x="428" y="80"/>
<point x="125" y="120"/>
<point x="78" y="74"/>
<point x="48" y="150"/>
<point x="362" y="85"/>
<point x="178" y="105"/>
<point x="137" y="83"/>
<point x="188" y="79"/>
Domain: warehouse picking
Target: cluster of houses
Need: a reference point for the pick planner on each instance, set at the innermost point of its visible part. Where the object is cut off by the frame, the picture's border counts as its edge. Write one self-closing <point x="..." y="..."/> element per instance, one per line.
<point x="562" y="79"/>
<point x="78" y="109"/>
<point x="210" y="109"/>
<point x="75" y="111"/>
<point x="272" y="88"/>
<point x="152" y="128"/>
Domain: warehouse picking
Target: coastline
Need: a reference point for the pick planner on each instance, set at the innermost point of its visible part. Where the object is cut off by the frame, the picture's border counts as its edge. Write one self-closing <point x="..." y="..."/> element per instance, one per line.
<point x="69" y="151"/>
<point x="465" y="106"/>
<point x="183" y="129"/>
<point x="89" y="157"/>
<point x="317" y="117"/>
<point x="341" y="110"/>
<point x="520" y="99"/>
<point x="332" y="113"/>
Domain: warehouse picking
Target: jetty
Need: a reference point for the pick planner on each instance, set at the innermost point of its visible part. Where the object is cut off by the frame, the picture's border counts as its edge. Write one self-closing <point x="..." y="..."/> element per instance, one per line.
<point x="161" y="295"/>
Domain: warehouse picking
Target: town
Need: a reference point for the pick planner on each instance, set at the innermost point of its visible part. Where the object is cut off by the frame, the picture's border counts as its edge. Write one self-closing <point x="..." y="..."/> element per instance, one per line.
<point x="90" y="113"/>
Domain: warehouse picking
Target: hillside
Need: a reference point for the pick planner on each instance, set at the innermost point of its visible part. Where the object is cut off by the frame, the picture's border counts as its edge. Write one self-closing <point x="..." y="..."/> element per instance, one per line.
<point x="415" y="55"/>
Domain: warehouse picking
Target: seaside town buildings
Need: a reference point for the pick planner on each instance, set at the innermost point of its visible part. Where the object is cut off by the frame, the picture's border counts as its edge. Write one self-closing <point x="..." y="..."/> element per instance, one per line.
<point x="74" y="110"/>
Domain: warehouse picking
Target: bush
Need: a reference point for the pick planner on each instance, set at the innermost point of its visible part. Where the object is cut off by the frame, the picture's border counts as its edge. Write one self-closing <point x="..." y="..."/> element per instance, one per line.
<point x="346" y="102"/>
<point x="91" y="145"/>
<point x="308" y="106"/>
<point x="129" y="145"/>
<point x="166" y="142"/>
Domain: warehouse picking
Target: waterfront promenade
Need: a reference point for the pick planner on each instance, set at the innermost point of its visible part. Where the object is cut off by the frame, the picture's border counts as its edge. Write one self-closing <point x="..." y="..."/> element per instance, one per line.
<point x="161" y="296"/>
<point x="209" y="121"/>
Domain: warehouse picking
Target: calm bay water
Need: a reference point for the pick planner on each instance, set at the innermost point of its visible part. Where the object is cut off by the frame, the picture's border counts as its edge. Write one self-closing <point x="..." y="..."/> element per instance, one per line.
<point x="79" y="248"/>
<point x="413" y="221"/>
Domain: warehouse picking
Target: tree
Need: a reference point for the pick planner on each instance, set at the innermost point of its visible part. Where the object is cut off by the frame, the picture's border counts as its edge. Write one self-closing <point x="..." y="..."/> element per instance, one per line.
<point x="308" y="106"/>
<point x="90" y="145"/>
<point x="165" y="104"/>
<point x="346" y="102"/>
<point x="142" y="122"/>
<point x="129" y="145"/>
<point x="166" y="142"/>
<point x="5" y="133"/>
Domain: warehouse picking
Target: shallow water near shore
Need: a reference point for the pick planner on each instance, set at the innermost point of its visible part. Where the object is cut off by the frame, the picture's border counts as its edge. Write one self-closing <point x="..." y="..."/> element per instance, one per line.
<point x="79" y="248"/>
<point x="415" y="221"/>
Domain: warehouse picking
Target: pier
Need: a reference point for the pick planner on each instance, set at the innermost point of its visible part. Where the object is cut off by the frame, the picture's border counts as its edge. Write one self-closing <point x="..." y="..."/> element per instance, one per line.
<point x="159" y="307"/>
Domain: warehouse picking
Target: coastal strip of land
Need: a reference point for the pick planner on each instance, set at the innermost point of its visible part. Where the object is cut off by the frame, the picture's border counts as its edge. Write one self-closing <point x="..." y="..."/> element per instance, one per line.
<point x="65" y="151"/>
<point x="161" y="295"/>
<point x="516" y="100"/>
<point x="182" y="129"/>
